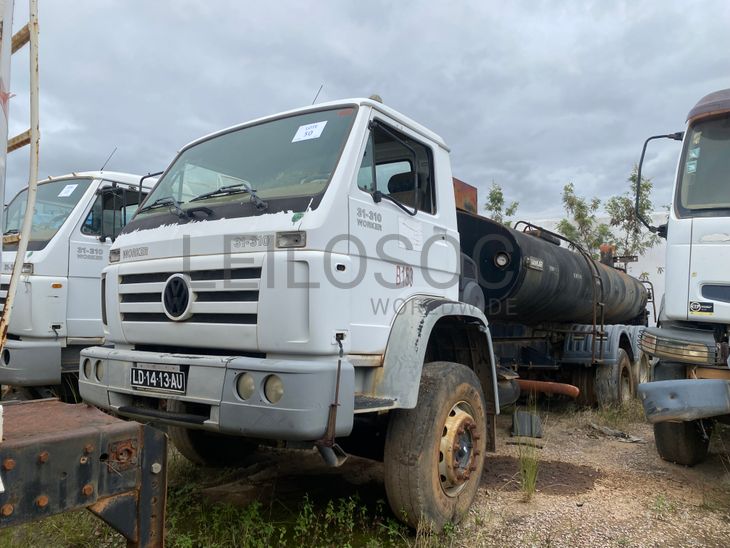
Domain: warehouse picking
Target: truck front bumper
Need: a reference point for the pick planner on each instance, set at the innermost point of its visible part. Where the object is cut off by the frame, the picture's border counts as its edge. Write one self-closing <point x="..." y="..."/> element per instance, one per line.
<point x="31" y="363"/>
<point x="685" y="399"/>
<point x="300" y="414"/>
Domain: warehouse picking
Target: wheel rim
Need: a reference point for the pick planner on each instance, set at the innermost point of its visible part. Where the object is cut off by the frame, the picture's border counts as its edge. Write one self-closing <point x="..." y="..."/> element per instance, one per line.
<point x="457" y="449"/>
<point x="625" y="385"/>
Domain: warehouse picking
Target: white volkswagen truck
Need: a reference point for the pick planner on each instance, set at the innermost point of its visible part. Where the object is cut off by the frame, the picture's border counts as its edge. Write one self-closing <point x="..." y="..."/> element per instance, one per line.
<point x="692" y="388"/>
<point x="57" y="311"/>
<point x="307" y="278"/>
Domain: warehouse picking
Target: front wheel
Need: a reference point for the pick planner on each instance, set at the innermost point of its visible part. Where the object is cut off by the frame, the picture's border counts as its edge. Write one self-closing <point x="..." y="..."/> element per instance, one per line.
<point x="684" y="443"/>
<point x="434" y="453"/>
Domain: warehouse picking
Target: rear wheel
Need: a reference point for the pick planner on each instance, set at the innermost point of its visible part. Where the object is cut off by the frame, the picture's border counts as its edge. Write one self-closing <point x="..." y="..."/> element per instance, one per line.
<point x="434" y="453"/>
<point x="208" y="448"/>
<point x="684" y="443"/>
<point x="615" y="383"/>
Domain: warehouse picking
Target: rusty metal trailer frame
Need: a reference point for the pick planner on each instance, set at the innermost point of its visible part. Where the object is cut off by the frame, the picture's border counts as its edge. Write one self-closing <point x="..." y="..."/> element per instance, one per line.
<point x="56" y="457"/>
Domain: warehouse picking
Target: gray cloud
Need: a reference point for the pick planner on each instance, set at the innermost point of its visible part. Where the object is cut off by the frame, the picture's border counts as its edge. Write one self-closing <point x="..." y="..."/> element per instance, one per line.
<point x="528" y="94"/>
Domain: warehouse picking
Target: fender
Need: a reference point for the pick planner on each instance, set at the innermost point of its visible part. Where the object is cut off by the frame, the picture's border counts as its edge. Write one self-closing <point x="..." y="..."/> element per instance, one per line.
<point x="406" y="349"/>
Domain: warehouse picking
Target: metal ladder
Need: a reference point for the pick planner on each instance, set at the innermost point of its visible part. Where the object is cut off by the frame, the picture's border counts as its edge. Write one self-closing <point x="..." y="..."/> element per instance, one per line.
<point x="28" y="34"/>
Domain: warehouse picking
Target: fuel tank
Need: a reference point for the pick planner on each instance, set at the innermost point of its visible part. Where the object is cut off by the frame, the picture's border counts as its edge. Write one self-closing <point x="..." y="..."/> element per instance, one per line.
<point x="530" y="280"/>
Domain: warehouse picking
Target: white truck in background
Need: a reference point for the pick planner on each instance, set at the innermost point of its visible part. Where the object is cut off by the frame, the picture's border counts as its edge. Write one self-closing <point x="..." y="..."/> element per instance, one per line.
<point x="57" y="310"/>
<point x="692" y="378"/>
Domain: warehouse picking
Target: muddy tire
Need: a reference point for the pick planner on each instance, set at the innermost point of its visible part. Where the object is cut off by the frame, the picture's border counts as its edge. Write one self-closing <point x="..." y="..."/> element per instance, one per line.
<point x="685" y="443"/>
<point x="207" y="448"/>
<point x="434" y="453"/>
<point x="615" y="383"/>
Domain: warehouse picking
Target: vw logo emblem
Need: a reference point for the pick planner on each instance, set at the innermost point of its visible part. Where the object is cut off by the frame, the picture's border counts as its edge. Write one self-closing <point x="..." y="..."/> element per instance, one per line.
<point x="176" y="297"/>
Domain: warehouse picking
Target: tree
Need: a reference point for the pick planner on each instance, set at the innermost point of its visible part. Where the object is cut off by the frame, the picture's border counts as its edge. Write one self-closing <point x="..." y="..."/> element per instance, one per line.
<point x="583" y="227"/>
<point x="495" y="205"/>
<point x="632" y="237"/>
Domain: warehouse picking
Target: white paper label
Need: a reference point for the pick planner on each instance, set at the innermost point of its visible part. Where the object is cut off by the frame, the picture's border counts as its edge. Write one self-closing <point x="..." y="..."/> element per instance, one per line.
<point x="310" y="131"/>
<point x="412" y="231"/>
<point x="67" y="191"/>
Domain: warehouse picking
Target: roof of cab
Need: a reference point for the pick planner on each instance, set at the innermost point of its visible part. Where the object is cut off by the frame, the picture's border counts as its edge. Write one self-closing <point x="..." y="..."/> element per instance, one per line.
<point x="114" y="176"/>
<point x="359" y="101"/>
<point x="715" y="102"/>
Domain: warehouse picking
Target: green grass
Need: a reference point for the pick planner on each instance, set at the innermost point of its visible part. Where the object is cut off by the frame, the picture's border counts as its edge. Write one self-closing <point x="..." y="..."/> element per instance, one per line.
<point x="662" y="507"/>
<point x="619" y="417"/>
<point x="529" y="460"/>
<point x="193" y="521"/>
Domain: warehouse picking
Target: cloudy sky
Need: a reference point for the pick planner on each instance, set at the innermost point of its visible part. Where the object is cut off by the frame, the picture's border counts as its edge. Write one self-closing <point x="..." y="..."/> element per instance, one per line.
<point x="530" y="95"/>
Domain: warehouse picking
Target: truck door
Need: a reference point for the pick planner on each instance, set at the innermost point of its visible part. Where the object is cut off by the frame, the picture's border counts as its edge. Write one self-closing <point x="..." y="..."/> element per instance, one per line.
<point x="113" y="206"/>
<point x="704" y="196"/>
<point x="404" y="240"/>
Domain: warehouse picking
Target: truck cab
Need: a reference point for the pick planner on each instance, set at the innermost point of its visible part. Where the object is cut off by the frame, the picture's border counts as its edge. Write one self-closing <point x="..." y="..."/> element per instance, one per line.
<point x="56" y="311"/>
<point x="692" y="385"/>
<point x="287" y="279"/>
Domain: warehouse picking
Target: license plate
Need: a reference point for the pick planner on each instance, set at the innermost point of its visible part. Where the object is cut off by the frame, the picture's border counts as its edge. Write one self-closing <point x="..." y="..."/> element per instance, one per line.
<point x="169" y="378"/>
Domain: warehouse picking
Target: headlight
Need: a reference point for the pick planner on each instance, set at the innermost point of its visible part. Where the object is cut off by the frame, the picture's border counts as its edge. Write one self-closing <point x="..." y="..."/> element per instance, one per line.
<point x="245" y="386"/>
<point x="99" y="370"/>
<point x="114" y="256"/>
<point x="273" y="388"/>
<point x="27" y="268"/>
<point x="87" y="368"/>
<point x="296" y="238"/>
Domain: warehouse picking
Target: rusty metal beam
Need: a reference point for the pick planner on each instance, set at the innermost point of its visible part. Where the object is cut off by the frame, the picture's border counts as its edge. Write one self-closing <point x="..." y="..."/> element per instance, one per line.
<point x="19" y="141"/>
<point x="58" y="457"/>
<point x="20" y="38"/>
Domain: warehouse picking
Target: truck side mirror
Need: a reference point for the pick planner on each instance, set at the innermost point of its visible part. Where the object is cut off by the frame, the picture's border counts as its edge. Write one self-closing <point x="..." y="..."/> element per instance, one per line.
<point x="677" y="136"/>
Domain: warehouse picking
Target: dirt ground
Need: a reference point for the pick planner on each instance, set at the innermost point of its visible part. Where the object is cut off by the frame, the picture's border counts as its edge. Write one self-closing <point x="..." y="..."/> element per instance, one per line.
<point x="592" y="489"/>
<point x="595" y="490"/>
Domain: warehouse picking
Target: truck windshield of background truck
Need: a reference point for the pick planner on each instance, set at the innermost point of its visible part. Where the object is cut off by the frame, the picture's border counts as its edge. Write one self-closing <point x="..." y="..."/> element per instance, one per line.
<point x="288" y="162"/>
<point x="54" y="202"/>
<point x="704" y="188"/>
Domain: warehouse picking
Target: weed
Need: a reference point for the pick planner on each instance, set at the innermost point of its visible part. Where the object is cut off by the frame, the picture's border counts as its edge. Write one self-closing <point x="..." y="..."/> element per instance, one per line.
<point x="529" y="461"/>
<point x="618" y="416"/>
<point x="662" y="507"/>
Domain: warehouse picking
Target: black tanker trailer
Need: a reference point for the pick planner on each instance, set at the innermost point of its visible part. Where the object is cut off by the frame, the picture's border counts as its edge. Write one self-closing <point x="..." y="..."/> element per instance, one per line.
<point x="555" y="313"/>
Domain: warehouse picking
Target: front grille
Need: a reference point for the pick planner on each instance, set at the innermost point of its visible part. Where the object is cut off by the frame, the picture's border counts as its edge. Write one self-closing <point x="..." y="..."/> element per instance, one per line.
<point x="220" y="296"/>
<point x="196" y="276"/>
<point x="246" y="319"/>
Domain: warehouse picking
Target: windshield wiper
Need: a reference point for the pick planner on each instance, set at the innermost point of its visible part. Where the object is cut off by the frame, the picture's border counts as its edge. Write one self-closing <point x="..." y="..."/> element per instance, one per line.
<point x="162" y="202"/>
<point x="243" y="188"/>
<point x="11" y="231"/>
<point x="378" y="196"/>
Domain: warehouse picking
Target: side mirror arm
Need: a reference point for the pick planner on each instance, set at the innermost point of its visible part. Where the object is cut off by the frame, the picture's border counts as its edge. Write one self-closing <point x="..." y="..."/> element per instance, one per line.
<point x="677" y="136"/>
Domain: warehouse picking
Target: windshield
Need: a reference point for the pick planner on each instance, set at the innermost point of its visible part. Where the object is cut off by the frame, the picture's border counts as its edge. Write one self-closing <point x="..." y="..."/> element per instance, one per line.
<point x="283" y="159"/>
<point x="704" y="187"/>
<point x="54" y="202"/>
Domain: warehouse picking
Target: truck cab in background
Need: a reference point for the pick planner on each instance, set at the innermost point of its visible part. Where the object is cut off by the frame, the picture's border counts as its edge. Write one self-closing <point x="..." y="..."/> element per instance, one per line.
<point x="692" y="378"/>
<point x="57" y="310"/>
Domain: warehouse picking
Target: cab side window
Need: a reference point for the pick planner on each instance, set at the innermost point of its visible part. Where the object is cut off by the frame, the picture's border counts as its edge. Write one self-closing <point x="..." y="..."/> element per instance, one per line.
<point x="112" y="209"/>
<point x="398" y="166"/>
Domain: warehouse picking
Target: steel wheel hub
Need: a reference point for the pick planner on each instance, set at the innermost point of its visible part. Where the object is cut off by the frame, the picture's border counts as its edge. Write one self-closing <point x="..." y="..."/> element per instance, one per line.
<point x="457" y="452"/>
